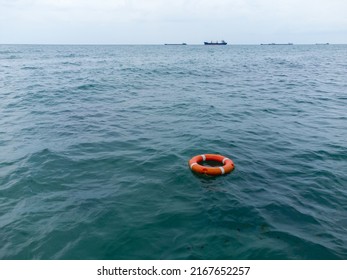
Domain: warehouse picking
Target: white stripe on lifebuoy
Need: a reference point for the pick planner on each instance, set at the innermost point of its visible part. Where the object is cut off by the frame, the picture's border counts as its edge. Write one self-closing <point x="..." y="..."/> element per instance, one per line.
<point x="191" y="166"/>
<point x="203" y="157"/>
<point x="222" y="169"/>
<point x="225" y="160"/>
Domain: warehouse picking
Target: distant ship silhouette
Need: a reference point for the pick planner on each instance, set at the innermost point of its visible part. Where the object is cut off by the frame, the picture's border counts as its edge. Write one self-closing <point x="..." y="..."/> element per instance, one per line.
<point x="216" y="43"/>
<point x="275" y="44"/>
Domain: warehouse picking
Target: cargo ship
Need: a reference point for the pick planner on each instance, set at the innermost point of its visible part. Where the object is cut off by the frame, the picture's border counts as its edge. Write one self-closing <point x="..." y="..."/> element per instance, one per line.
<point x="276" y="44"/>
<point x="221" y="43"/>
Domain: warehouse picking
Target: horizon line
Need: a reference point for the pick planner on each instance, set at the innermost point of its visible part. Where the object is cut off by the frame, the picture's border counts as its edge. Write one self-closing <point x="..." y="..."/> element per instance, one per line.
<point x="161" y="44"/>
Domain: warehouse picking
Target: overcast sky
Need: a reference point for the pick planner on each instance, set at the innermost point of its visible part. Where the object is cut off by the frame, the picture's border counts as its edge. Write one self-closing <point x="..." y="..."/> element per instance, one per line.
<point x="175" y="21"/>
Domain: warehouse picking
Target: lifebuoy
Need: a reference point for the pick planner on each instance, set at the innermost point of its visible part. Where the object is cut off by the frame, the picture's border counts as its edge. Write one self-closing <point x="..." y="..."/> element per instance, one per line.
<point x="227" y="167"/>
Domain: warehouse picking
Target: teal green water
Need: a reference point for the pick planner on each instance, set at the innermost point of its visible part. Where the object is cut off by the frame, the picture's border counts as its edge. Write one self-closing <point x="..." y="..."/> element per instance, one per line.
<point x="95" y="143"/>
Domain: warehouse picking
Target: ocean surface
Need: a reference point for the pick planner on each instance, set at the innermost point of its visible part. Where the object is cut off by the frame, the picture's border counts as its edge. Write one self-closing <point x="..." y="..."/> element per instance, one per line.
<point x="95" y="143"/>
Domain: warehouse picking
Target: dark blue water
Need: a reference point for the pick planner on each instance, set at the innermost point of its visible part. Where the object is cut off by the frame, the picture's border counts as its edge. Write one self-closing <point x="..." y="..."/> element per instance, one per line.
<point x="95" y="143"/>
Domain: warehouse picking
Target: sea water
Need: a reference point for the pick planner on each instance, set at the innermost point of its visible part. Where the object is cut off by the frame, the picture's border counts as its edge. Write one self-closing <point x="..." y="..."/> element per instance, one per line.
<point x="95" y="143"/>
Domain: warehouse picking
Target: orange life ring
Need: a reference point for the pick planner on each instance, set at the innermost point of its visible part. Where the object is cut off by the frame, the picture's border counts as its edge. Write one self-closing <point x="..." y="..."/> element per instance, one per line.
<point x="213" y="171"/>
